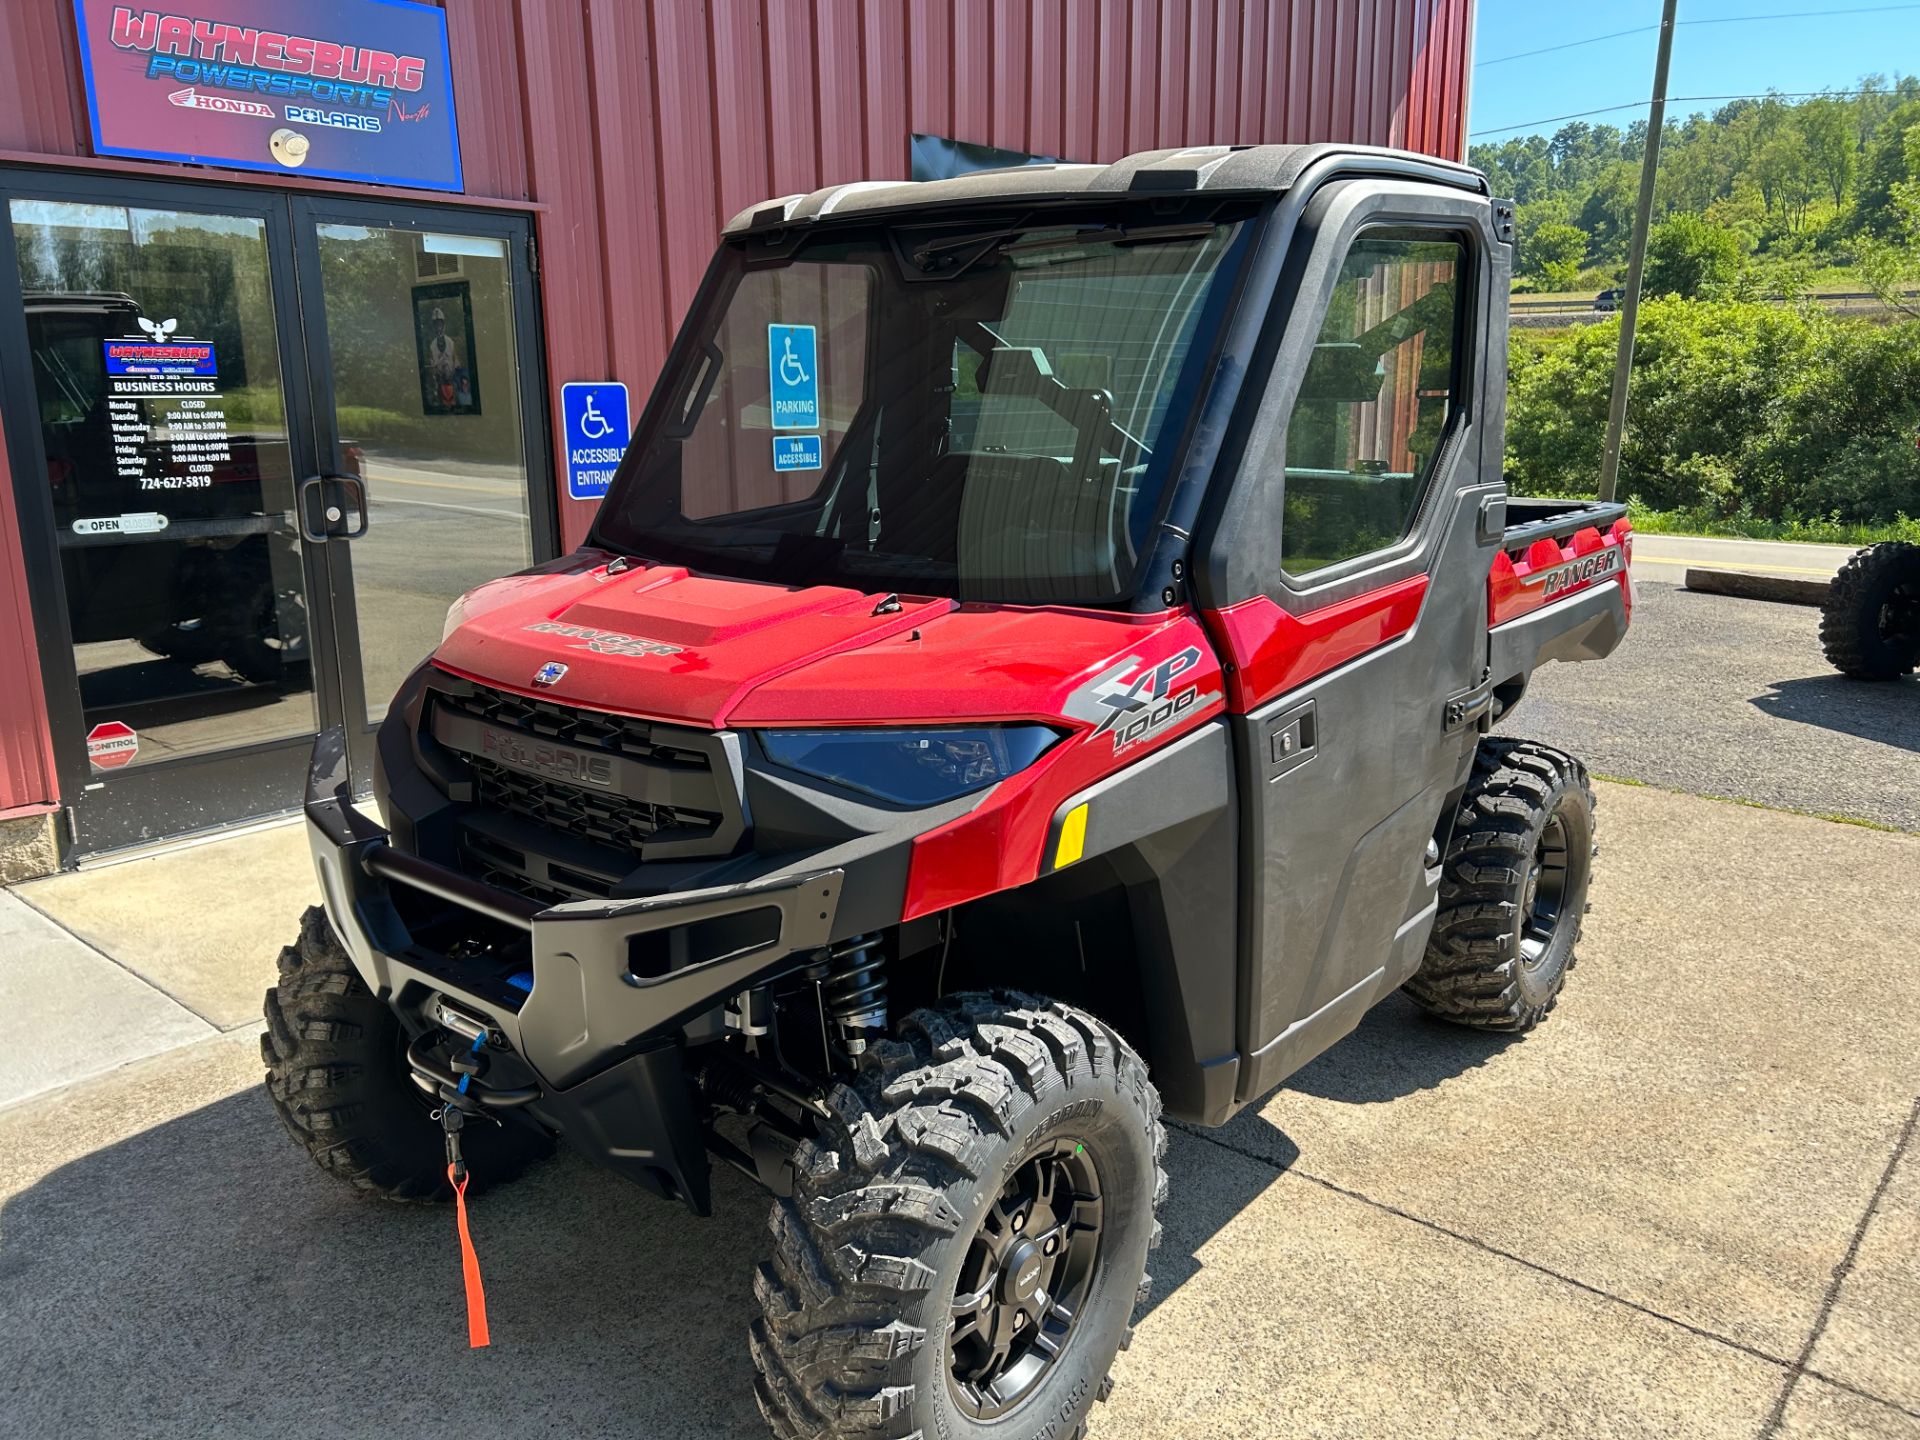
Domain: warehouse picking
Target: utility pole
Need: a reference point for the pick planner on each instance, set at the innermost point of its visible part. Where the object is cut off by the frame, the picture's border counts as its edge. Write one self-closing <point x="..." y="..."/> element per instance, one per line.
<point x="1637" y="257"/>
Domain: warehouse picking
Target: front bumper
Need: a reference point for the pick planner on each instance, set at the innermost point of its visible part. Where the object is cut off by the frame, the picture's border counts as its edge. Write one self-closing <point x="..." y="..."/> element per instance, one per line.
<point x="591" y="996"/>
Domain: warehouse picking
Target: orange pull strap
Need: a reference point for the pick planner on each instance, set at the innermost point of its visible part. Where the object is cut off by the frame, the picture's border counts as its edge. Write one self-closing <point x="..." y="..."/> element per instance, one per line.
<point x="470" y="1267"/>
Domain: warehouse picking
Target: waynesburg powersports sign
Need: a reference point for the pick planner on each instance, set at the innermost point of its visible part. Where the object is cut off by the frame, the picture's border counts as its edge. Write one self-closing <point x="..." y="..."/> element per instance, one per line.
<point x="349" y="89"/>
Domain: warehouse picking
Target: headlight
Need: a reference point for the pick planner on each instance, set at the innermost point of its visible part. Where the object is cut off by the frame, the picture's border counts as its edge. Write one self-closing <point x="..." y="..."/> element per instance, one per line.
<point x="910" y="767"/>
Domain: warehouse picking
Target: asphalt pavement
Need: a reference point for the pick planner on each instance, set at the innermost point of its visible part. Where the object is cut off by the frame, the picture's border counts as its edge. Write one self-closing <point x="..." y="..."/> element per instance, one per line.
<point x="1725" y="697"/>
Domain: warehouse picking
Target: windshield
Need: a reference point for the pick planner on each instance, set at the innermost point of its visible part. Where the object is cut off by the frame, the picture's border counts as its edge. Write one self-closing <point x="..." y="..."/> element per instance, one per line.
<point x="987" y="413"/>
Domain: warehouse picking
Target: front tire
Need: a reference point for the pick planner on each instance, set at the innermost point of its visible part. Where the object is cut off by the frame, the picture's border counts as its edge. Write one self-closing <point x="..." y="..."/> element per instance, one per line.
<point x="1513" y="890"/>
<point x="1870" y="624"/>
<point x="968" y="1237"/>
<point x="337" y="1076"/>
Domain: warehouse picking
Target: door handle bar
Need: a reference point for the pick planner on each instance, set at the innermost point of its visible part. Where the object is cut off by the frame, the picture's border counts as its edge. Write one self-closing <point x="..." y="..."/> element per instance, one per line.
<point x="356" y="489"/>
<point x="331" y="515"/>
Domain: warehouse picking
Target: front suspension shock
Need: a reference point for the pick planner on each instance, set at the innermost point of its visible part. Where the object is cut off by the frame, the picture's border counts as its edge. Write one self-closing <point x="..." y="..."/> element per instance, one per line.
<point x="853" y="994"/>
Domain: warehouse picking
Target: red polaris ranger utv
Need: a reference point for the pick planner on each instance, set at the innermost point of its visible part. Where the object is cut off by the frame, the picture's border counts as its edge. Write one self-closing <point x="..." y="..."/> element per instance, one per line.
<point x="1034" y="665"/>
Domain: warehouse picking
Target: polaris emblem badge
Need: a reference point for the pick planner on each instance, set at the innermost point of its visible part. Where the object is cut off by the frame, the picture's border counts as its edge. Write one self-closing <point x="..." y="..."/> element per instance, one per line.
<point x="549" y="673"/>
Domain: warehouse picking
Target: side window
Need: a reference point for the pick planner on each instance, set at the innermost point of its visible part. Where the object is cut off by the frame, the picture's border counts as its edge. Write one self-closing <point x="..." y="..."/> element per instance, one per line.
<point x="1380" y="388"/>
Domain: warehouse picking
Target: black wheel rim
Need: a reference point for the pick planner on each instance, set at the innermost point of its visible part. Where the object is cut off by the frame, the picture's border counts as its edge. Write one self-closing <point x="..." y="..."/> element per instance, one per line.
<point x="1900" y="616"/>
<point x="1025" y="1280"/>
<point x="1543" y="900"/>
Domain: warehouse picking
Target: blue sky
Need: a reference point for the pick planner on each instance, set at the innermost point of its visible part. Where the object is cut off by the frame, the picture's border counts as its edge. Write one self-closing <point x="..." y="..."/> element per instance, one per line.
<point x="1826" y="49"/>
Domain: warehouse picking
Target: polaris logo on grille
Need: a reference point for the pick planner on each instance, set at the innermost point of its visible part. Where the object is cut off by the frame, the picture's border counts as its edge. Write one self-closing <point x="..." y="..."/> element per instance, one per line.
<point x="554" y="762"/>
<point x="1577" y="572"/>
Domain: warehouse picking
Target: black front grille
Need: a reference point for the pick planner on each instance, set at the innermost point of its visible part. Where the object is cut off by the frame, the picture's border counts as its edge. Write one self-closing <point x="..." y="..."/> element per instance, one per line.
<point x="662" y="790"/>
<point x="590" y="814"/>
<point x="589" y="729"/>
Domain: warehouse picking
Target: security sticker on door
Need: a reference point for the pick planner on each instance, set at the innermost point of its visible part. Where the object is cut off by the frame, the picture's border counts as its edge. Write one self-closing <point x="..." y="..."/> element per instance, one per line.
<point x="794" y="379"/>
<point x="796" y="452"/>
<point x="595" y="417"/>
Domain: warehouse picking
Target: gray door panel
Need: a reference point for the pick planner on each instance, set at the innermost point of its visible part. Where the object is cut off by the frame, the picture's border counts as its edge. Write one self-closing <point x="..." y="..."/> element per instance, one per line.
<point x="1344" y="899"/>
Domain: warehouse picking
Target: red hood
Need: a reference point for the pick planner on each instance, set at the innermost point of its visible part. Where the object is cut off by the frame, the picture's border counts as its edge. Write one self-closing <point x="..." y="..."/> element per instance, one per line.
<point x="660" y="643"/>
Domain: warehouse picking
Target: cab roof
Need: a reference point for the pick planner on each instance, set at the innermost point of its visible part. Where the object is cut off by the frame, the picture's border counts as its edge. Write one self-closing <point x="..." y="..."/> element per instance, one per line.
<point x="1223" y="170"/>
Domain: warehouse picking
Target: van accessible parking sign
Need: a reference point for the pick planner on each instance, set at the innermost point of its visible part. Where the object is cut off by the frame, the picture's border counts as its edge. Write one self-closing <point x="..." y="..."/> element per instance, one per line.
<point x="793" y="376"/>
<point x="594" y="415"/>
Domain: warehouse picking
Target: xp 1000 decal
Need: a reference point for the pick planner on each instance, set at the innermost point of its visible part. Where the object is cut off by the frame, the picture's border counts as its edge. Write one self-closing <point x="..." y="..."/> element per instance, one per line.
<point x="1135" y="701"/>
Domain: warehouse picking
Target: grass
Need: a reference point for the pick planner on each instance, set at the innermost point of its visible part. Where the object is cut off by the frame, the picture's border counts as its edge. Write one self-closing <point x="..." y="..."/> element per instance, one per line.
<point x="1648" y="521"/>
<point x="1832" y="816"/>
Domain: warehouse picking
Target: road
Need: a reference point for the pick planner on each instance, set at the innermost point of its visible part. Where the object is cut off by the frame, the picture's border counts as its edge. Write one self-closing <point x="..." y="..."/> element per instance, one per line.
<point x="432" y="534"/>
<point x="1718" y="696"/>
<point x="1665" y="557"/>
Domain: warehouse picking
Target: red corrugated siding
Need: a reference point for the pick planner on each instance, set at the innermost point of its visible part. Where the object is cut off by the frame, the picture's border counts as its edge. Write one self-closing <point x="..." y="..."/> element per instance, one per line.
<point x="737" y="100"/>
<point x="643" y="125"/>
<point x="26" y="754"/>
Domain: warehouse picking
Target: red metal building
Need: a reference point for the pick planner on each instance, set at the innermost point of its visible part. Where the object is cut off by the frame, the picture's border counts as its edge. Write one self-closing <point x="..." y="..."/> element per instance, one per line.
<point x="602" y="144"/>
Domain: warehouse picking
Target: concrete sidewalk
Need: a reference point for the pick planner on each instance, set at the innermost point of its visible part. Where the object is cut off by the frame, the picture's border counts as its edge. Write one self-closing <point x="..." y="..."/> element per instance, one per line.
<point x="1687" y="1206"/>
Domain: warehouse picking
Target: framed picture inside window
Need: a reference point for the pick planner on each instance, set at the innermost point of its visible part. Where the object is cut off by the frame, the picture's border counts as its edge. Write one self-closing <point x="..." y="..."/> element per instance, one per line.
<point x="443" y="334"/>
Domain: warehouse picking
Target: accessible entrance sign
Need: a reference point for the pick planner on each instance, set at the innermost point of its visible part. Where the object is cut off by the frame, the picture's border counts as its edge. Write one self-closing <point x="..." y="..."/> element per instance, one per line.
<point x="595" y="418"/>
<point x="351" y="89"/>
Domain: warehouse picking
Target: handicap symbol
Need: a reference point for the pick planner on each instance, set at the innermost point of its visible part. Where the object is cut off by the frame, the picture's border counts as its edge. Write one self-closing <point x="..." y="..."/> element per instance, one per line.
<point x="791" y="371"/>
<point x="594" y="425"/>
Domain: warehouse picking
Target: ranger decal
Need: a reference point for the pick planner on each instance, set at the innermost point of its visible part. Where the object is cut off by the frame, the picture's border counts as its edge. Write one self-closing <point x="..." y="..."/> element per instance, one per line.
<point x="1577" y="572"/>
<point x="605" y="642"/>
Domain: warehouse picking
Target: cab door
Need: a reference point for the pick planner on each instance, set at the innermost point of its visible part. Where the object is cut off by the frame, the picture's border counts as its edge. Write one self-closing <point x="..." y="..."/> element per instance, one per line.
<point x="1360" y="532"/>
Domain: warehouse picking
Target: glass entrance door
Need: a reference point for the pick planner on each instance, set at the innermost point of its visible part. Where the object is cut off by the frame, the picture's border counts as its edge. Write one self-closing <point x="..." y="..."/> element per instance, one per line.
<point x="262" y="445"/>
<point x="153" y="440"/>
<point x="420" y="371"/>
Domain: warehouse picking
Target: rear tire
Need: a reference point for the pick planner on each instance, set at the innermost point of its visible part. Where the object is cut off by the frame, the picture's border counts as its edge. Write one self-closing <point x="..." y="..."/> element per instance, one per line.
<point x="1513" y="890"/>
<point x="916" y="1235"/>
<point x="337" y="1076"/>
<point x="1870" y="624"/>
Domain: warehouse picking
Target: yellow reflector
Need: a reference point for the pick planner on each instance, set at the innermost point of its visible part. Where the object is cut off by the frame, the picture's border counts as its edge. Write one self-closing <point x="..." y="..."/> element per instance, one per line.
<point x="1073" y="837"/>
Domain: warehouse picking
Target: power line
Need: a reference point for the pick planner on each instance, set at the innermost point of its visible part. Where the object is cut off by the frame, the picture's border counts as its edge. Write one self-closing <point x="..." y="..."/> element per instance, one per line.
<point x="1713" y="20"/>
<point x="1675" y="99"/>
<point x="1569" y="45"/>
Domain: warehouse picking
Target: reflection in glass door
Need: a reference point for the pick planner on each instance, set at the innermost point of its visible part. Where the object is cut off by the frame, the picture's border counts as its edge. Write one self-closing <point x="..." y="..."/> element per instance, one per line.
<point x="423" y="359"/>
<point x="154" y="352"/>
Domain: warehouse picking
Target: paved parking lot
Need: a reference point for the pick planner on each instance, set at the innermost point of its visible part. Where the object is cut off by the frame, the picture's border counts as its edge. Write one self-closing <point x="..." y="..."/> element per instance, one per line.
<point x="1688" y="1206"/>
<point x="1720" y="696"/>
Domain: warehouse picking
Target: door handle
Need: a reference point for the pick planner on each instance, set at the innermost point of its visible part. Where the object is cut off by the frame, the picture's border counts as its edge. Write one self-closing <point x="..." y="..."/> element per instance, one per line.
<point x="356" y="489"/>
<point x="303" y="504"/>
<point x="333" y="523"/>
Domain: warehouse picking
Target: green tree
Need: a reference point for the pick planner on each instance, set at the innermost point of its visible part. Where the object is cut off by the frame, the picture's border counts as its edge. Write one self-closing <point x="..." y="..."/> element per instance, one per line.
<point x="1552" y="254"/>
<point x="1692" y="257"/>
<point x="1885" y="168"/>
<point x="1607" y="215"/>
<point x="1891" y="264"/>
<point x="1827" y="130"/>
<point x="1776" y="412"/>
